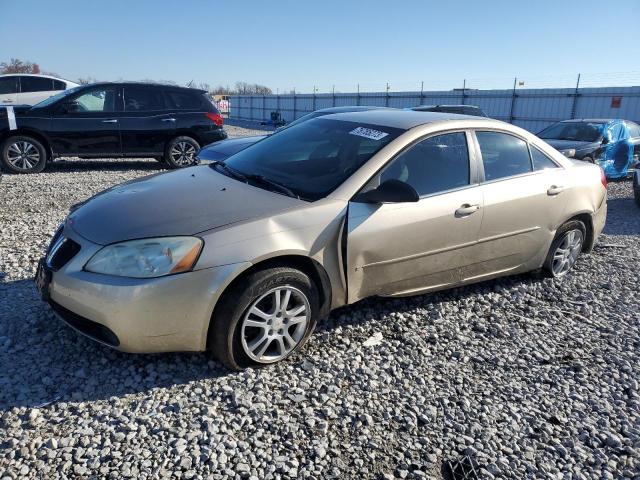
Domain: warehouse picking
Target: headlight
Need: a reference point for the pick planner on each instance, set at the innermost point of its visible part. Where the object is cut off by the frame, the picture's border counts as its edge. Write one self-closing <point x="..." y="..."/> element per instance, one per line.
<point x="569" y="153"/>
<point x="148" y="258"/>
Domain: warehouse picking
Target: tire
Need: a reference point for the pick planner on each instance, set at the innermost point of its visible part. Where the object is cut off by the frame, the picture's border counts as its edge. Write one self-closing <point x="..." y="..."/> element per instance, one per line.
<point x="636" y="187"/>
<point x="23" y="154"/>
<point x="564" y="250"/>
<point x="235" y="331"/>
<point x="588" y="159"/>
<point x="181" y="152"/>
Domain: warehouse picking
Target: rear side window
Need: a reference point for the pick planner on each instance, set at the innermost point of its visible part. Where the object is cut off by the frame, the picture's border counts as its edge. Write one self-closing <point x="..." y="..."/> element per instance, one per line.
<point x="138" y="99"/>
<point x="58" y="85"/>
<point x="8" y="85"/>
<point x="503" y="155"/>
<point x="540" y="160"/>
<point x="184" y="100"/>
<point x="433" y="165"/>
<point x="35" y="84"/>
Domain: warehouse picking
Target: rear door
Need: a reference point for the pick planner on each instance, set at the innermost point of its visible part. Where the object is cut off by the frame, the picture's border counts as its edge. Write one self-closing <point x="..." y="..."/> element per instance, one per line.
<point x="523" y="205"/>
<point x="86" y="124"/>
<point x="8" y="90"/>
<point x="145" y="125"/>
<point x="402" y="248"/>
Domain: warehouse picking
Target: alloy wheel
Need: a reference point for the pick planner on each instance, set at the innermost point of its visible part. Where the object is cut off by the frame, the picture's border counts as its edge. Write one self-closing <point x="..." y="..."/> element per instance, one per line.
<point x="23" y="155"/>
<point x="566" y="253"/>
<point x="275" y="324"/>
<point x="183" y="153"/>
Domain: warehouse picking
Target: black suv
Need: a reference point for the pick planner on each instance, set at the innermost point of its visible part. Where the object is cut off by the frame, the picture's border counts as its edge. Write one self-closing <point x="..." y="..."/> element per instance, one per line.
<point x="110" y="120"/>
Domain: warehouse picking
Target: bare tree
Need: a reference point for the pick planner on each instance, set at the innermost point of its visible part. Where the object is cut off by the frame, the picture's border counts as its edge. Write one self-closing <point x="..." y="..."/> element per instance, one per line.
<point x="86" y="80"/>
<point x="16" y="65"/>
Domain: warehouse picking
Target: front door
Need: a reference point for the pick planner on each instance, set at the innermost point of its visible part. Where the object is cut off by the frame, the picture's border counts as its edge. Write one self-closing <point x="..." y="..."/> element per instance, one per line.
<point x="145" y="126"/>
<point x="87" y="124"/>
<point x="405" y="248"/>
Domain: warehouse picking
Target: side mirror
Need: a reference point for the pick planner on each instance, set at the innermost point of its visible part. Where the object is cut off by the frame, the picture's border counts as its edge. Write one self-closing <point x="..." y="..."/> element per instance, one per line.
<point x="390" y="191"/>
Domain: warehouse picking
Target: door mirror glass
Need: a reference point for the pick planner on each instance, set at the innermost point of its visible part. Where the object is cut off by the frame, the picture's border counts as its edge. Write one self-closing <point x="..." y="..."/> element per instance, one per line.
<point x="390" y="191"/>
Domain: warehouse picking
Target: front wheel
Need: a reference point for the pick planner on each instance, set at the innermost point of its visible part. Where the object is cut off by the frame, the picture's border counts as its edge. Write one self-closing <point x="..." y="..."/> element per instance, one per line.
<point x="264" y="319"/>
<point x="181" y="152"/>
<point x="21" y="154"/>
<point x="565" y="249"/>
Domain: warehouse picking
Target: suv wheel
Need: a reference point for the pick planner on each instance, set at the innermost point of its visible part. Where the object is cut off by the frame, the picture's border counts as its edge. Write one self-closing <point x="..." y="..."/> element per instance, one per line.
<point x="181" y="152"/>
<point x="22" y="154"/>
<point x="264" y="319"/>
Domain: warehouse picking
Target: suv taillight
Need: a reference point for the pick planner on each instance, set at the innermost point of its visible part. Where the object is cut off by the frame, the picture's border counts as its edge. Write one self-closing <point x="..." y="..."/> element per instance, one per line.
<point x="603" y="178"/>
<point x="215" y="118"/>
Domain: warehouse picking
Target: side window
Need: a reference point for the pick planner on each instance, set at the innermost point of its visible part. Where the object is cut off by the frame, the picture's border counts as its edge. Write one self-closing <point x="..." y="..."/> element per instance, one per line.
<point x="503" y="155"/>
<point x="433" y="165"/>
<point x="101" y="99"/>
<point x="634" y="129"/>
<point x="8" y="85"/>
<point x="183" y="100"/>
<point x="540" y="160"/>
<point x="58" y="85"/>
<point x="138" y="99"/>
<point x="35" y="84"/>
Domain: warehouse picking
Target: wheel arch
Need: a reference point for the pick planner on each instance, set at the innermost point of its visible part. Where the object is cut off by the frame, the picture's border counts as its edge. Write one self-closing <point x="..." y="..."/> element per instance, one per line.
<point x="305" y="264"/>
<point x="587" y="220"/>
<point x="26" y="132"/>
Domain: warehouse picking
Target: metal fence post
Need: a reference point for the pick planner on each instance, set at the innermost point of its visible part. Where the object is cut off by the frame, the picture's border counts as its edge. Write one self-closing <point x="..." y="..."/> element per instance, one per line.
<point x="264" y="106"/>
<point x="386" y="98"/>
<point x="464" y="88"/>
<point x="314" y="98"/>
<point x="333" y="96"/>
<point x="575" y="99"/>
<point x="513" y="100"/>
<point x="421" y="92"/>
<point x="294" y="104"/>
<point x="358" y="96"/>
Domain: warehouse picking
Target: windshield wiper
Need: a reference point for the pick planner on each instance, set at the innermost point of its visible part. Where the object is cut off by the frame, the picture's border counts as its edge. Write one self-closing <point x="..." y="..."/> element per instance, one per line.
<point x="272" y="183"/>
<point x="231" y="172"/>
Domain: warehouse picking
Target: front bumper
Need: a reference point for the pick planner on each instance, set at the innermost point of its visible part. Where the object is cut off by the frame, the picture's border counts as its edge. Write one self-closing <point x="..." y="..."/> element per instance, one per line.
<point x="163" y="314"/>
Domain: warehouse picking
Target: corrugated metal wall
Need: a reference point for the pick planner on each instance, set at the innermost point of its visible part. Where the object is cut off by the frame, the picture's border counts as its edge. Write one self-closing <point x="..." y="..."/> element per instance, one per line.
<point x="532" y="109"/>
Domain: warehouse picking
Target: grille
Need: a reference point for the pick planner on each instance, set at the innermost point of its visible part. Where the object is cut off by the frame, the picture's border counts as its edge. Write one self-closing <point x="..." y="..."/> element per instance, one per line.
<point x="65" y="252"/>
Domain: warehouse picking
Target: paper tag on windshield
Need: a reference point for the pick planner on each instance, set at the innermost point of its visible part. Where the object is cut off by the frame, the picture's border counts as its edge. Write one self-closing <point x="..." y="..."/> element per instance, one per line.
<point x="368" y="133"/>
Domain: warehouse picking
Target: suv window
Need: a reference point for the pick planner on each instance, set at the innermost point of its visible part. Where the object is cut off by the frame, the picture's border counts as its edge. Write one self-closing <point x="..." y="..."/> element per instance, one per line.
<point x="433" y="165"/>
<point x="8" y="85"/>
<point x="35" y="84"/>
<point x="59" y="85"/>
<point x="540" y="160"/>
<point x="503" y="155"/>
<point x="100" y="99"/>
<point x="184" y="100"/>
<point x="140" y="99"/>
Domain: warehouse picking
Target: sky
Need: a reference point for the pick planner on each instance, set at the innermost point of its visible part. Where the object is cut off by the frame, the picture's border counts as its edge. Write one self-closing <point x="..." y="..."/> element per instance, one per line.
<point x="329" y="44"/>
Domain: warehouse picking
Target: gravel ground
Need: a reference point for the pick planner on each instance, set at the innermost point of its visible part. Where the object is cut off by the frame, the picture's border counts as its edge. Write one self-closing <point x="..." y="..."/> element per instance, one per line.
<point x="531" y="377"/>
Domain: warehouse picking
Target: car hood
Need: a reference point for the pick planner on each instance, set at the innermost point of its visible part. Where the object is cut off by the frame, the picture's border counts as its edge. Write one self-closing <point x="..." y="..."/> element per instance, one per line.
<point x="184" y="202"/>
<point x="568" y="144"/>
<point x="225" y="148"/>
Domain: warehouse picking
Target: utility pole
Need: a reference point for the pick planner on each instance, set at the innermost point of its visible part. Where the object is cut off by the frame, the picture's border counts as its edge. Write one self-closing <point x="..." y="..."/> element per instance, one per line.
<point x="513" y="99"/>
<point x="575" y="99"/>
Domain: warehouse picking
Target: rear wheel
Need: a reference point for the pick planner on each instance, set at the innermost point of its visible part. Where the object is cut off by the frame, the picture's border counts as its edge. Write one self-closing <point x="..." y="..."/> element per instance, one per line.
<point x="588" y="159"/>
<point x="264" y="319"/>
<point x="565" y="249"/>
<point x="181" y="152"/>
<point x="21" y="154"/>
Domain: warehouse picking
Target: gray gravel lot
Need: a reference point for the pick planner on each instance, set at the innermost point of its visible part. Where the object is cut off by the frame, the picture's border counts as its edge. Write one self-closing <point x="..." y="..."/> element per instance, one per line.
<point x="534" y="378"/>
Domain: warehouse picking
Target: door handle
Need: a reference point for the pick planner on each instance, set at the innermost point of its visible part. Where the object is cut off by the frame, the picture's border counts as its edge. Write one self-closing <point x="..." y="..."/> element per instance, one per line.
<point x="113" y="120"/>
<point x="555" y="190"/>
<point x="168" y="119"/>
<point x="467" y="209"/>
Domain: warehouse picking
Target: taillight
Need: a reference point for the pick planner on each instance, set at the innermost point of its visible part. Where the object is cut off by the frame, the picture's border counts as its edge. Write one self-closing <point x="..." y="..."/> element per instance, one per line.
<point x="215" y="118"/>
<point x="603" y="178"/>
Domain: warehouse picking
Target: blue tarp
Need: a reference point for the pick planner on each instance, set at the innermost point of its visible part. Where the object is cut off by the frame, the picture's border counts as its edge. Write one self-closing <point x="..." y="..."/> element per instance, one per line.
<point x="617" y="153"/>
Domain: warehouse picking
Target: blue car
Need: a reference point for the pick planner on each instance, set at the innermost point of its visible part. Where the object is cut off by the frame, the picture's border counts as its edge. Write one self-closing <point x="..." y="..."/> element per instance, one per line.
<point x="220" y="151"/>
<point x="614" y="144"/>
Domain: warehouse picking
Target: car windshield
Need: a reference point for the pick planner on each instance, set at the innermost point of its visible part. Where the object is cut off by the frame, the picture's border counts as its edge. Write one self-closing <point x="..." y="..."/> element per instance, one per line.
<point x="577" y="131"/>
<point x="313" y="158"/>
<point x="55" y="98"/>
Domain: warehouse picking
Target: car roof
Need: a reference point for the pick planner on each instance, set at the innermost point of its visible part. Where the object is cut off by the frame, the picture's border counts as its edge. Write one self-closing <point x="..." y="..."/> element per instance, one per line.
<point x="147" y="84"/>
<point x="404" y="119"/>
<point x="34" y="75"/>
<point x="352" y="108"/>
<point x="592" y="120"/>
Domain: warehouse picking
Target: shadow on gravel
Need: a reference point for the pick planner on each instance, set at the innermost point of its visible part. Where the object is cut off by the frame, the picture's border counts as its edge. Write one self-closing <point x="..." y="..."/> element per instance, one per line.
<point x="43" y="361"/>
<point x="71" y="166"/>
<point x="623" y="217"/>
